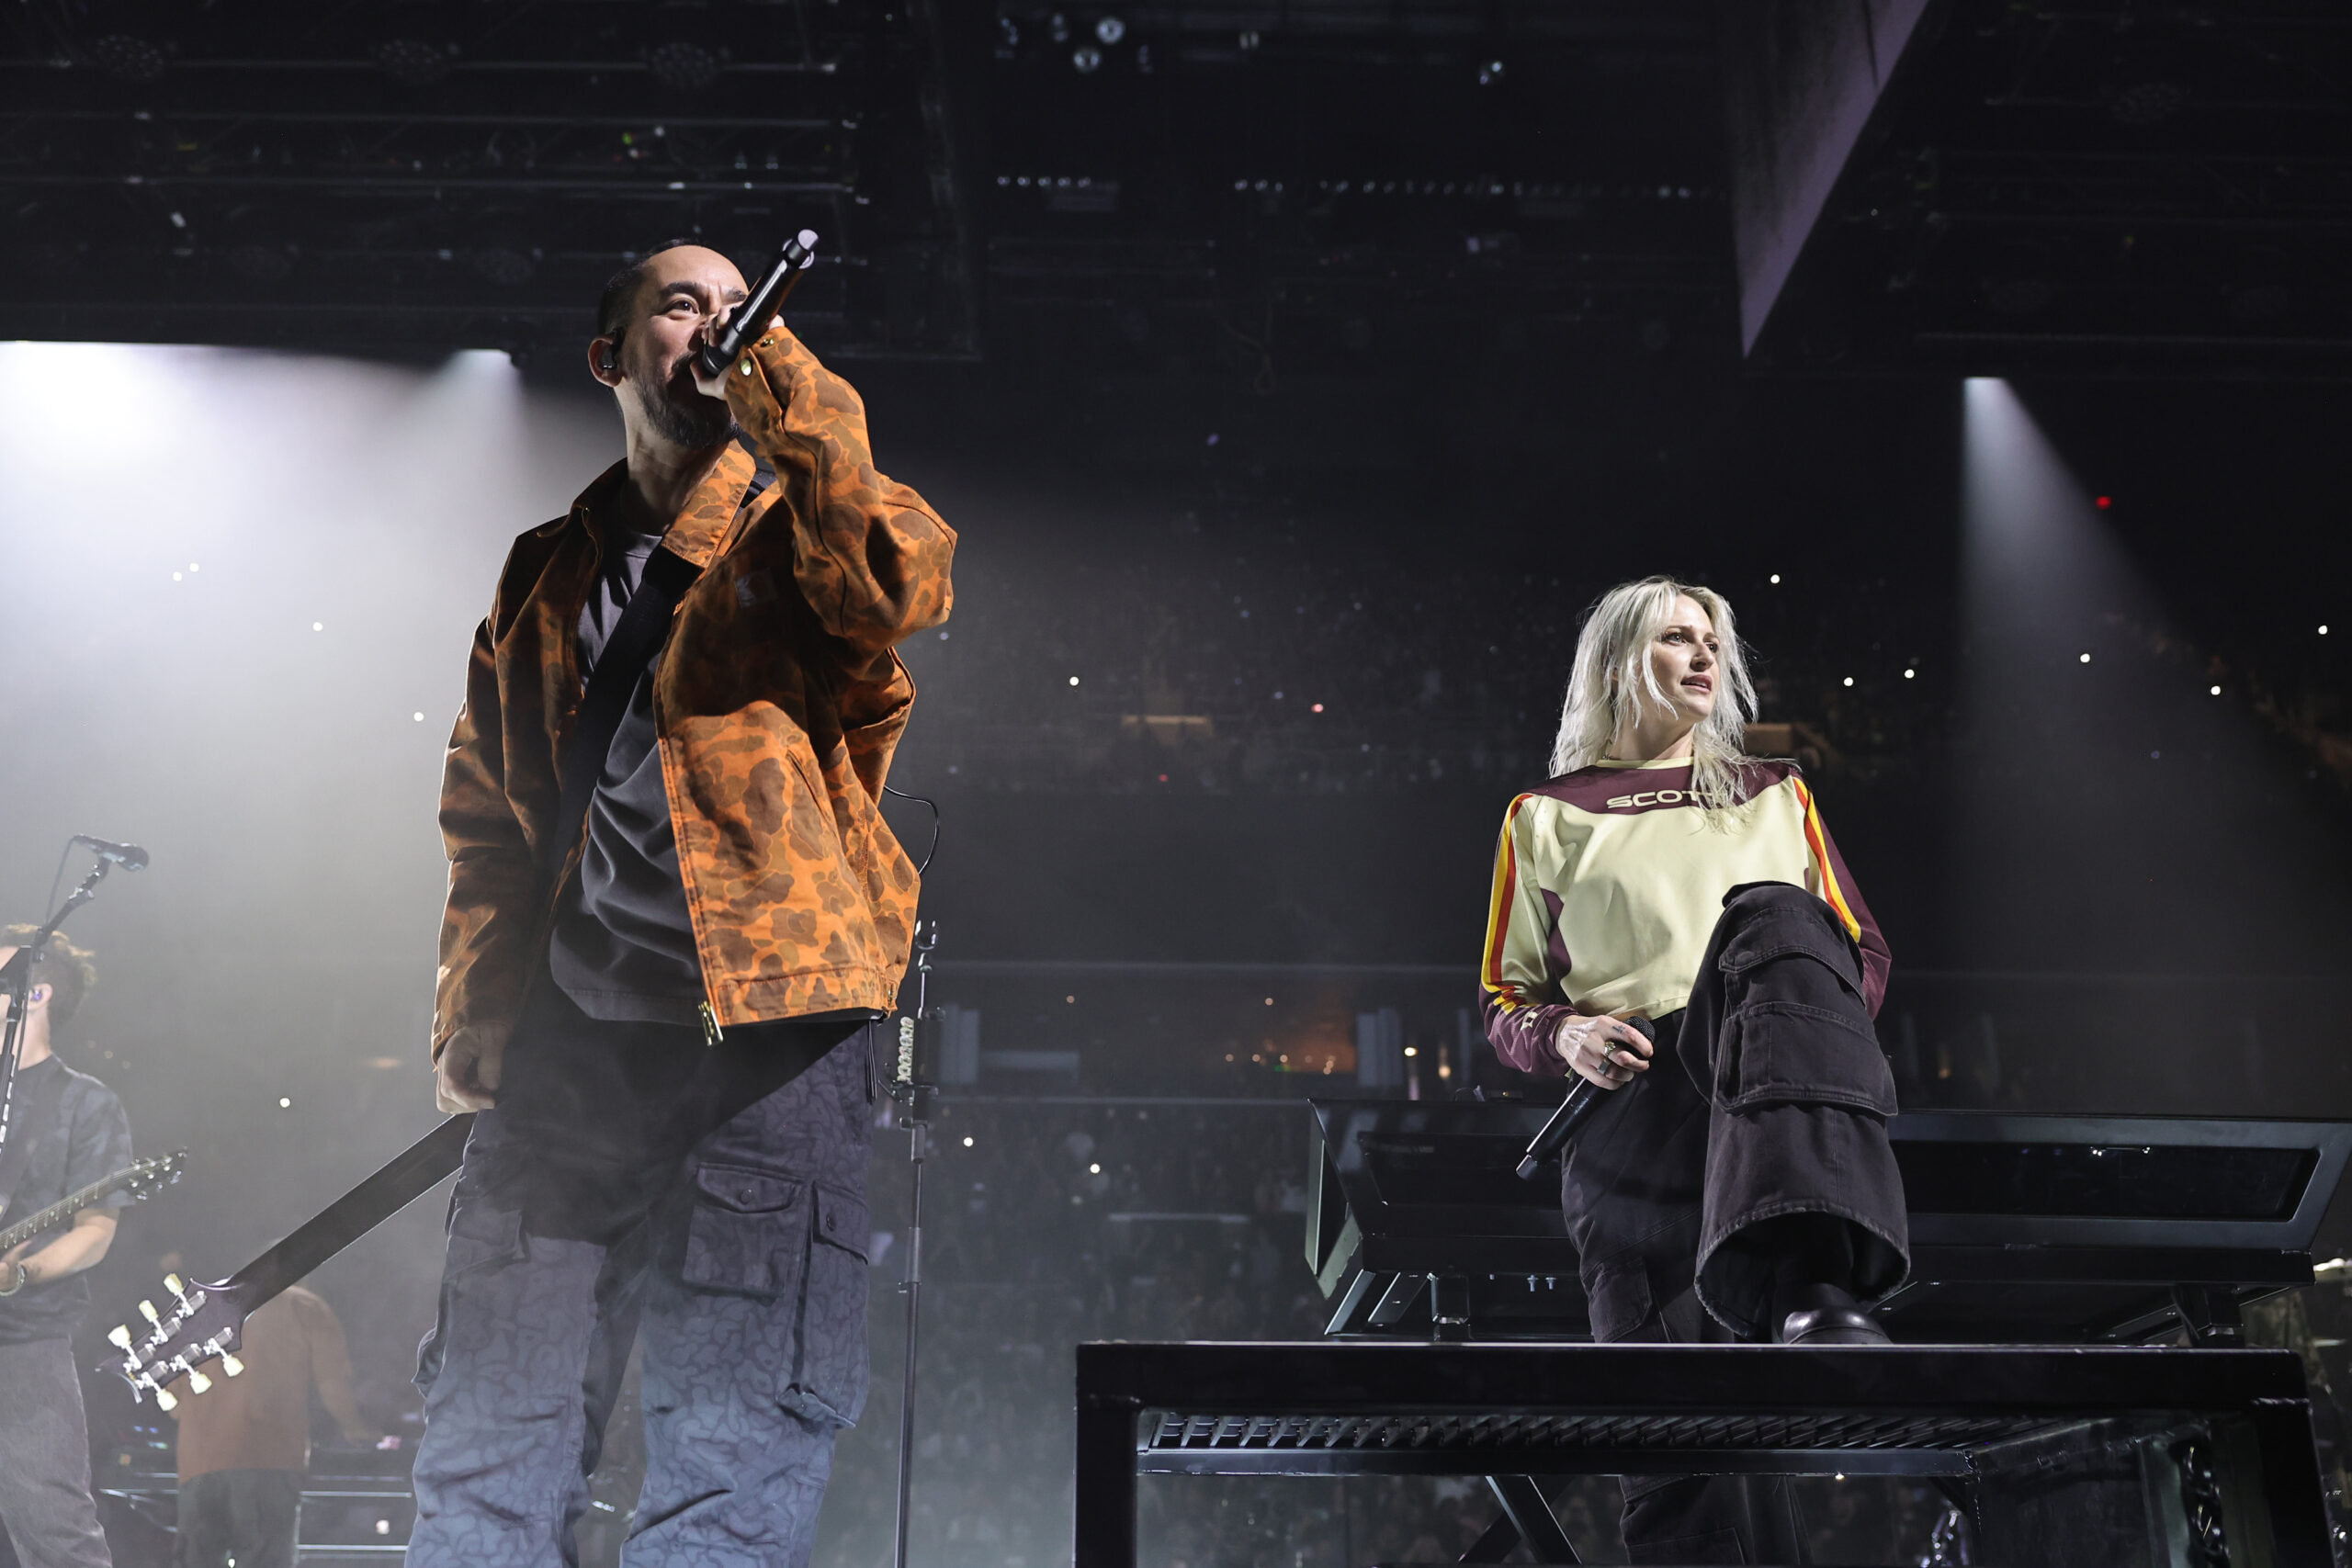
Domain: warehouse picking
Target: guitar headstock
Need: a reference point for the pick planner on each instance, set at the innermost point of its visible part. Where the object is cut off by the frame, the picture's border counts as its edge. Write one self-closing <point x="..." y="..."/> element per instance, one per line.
<point x="145" y="1177"/>
<point x="202" y="1324"/>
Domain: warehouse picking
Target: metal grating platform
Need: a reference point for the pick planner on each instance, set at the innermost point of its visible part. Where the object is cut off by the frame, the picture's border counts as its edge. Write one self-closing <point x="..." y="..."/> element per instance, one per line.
<point x="1500" y="1437"/>
<point x="1990" y="1418"/>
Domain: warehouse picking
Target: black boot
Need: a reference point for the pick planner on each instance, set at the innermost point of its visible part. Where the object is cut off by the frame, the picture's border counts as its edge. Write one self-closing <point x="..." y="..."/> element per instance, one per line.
<point x="1813" y="1265"/>
<point x="1825" y="1314"/>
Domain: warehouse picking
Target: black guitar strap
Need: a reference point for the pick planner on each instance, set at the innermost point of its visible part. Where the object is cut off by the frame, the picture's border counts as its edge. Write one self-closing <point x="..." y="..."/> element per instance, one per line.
<point x="35" y="1117"/>
<point x="637" y="636"/>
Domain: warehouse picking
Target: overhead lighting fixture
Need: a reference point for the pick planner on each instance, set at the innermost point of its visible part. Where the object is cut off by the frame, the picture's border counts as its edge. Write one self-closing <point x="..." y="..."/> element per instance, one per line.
<point x="2147" y="103"/>
<point x="413" y="62"/>
<point x="2020" y="296"/>
<point x="128" y="57"/>
<point x="261" y="263"/>
<point x="506" y="267"/>
<point x="1087" y="58"/>
<point x="683" y="67"/>
<point x="1110" y="30"/>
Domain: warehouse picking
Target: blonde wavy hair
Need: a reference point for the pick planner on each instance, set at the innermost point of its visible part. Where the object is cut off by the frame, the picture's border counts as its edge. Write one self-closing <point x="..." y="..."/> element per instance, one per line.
<point x="1612" y="671"/>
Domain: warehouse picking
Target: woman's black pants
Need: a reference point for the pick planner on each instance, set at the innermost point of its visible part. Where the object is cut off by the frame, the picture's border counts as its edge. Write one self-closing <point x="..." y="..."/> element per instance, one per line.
<point x="1767" y="1100"/>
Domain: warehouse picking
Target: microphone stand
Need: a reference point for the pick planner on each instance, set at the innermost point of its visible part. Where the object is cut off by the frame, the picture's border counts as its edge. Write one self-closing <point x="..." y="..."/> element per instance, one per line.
<point x="915" y="1094"/>
<point x="17" y="984"/>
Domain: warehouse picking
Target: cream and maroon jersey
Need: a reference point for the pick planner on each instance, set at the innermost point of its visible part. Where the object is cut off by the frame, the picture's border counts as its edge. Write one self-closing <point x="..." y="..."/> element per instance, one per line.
<point x="1609" y="882"/>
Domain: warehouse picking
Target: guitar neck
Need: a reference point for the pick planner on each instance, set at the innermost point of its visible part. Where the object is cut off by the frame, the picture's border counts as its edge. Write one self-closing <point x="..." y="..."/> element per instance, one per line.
<point x="61" y="1212"/>
<point x="405" y="1178"/>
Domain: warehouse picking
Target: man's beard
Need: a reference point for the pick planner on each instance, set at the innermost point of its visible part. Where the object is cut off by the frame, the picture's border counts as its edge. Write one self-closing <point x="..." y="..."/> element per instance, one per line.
<point x="691" y="421"/>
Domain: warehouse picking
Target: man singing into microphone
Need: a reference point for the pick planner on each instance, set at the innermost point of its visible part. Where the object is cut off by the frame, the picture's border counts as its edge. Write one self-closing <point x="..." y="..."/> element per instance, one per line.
<point x="659" y="1006"/>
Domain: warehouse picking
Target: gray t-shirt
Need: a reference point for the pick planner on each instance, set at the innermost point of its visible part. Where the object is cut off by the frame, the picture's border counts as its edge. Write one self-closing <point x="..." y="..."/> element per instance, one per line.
<point x="623" y="946"/>
<point x="87" y="1139"/>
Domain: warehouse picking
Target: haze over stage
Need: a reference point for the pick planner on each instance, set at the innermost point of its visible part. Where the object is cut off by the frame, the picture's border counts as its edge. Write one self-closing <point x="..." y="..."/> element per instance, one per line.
<point x="1296" y="375"/>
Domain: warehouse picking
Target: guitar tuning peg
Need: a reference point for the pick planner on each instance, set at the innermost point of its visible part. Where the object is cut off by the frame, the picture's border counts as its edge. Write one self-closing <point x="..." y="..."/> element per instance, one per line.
<point x="165" y="1402"/>
<point x="172" y="1283"/>
<point x="197" y="1383"/>
<point x="230" y="1365"/>
<point x="119" y="1336"/>
<point x="147" y="1311"/>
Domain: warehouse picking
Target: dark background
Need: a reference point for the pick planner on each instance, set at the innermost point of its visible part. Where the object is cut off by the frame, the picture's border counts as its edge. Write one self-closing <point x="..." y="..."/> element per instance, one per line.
<point x="1284" y="354"/>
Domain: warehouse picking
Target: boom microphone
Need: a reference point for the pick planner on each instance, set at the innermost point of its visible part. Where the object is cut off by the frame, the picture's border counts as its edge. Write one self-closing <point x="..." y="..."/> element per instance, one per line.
<point x="766" y="301"/>
<point x="130" y="857"/>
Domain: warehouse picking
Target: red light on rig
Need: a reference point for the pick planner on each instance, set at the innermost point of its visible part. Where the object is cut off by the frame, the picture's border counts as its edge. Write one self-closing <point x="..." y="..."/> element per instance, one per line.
<point x="2103" y="502"/>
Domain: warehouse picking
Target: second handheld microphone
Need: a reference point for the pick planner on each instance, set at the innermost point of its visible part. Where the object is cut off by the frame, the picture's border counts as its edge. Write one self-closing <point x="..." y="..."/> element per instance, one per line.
<point x="1574" y="1112"/>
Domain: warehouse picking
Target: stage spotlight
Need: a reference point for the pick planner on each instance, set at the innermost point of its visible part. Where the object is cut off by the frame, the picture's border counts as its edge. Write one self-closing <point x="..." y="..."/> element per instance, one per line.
<point x="129" y="58"/>
<point x="1490" y="73"/>
<point x="1110" y="30"/>
<point x="683" y="67"/>
<point x="1057" y="27"/>
<point x="413" y="62"/>
<point x="1087" y="58"/>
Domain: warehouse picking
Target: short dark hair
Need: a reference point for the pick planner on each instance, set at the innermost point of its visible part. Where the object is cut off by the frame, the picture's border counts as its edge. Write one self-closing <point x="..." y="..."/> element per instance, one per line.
<point x="620" y="291"/>
<point x="68" y="971"/>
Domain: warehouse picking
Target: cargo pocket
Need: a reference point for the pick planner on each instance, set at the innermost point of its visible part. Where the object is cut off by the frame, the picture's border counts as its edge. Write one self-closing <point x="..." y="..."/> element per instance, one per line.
<point x="749" y="1231"/>
<point x="831" y="1372"/>
<point x="1780" y="933"/>
<point x="1618" y="1299"/>
<point x="479" y="1236"/>
<point x="1787" y="1051"/>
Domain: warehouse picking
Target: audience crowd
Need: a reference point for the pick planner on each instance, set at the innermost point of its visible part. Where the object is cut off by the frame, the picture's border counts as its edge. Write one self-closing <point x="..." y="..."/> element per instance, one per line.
<point x="1288" y="672"/>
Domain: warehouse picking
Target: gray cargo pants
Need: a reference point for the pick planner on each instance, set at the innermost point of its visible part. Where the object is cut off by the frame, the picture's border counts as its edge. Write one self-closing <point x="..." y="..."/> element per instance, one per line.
<point x="632" y="1180"/>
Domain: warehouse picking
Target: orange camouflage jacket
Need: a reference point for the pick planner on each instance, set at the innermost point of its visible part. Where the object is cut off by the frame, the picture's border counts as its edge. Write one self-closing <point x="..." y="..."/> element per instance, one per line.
<point x="777" y="700"/>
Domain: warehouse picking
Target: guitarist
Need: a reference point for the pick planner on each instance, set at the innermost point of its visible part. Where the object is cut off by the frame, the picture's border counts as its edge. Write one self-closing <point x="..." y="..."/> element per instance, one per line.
<point x="68" y="1132"/>
<point x="674" y="909"/>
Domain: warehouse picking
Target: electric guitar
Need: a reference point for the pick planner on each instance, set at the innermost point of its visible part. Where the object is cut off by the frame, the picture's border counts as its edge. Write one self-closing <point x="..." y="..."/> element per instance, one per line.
<point x="140" y="1178"/>
<point x="207" y="1324"/>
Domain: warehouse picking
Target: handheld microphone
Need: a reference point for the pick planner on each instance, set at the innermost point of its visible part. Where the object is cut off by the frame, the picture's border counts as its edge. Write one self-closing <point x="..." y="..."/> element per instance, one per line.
<point x="766" y="300"/>
<point x="130" y="857"/>
<point x="1574" y="1112"/>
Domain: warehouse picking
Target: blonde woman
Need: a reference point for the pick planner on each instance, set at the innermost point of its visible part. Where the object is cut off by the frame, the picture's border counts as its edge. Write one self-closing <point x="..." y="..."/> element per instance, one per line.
<point x="1738" y="1185"/>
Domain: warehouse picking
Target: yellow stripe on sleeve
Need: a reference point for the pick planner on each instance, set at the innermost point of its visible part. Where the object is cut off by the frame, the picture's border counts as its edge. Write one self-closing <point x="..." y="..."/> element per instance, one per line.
<point x="1506" y="890"/>
<point x="1816" y="840"/>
